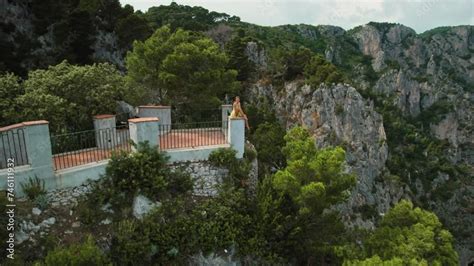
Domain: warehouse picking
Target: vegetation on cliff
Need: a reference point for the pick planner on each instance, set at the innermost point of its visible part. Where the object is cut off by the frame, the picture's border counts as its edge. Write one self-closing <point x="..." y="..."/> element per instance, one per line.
<point x="192" y="58"/>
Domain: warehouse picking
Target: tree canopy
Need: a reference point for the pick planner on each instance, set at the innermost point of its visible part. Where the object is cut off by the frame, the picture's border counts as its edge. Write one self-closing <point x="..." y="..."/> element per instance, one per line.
<point x="313" y="178"/>
<point x="181" y="68"/>
<point x="409" y="236"/>
<point x="194" y="18"/>
<point x="238" y="59"/>
<point x="68" y="96"/>
<point x="318" y="71"/>
<point x="10" y="88"/>
<point x="292" y="202"/>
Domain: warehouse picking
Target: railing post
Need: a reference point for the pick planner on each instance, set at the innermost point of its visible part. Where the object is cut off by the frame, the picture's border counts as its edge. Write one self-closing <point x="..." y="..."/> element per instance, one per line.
<point x="105" y="132"/>
<point x="236" y="135"/>
<point x="162" y="112"/>
<point x="144" y="129"/>
<point x="38" y="144"/>
<point x="38" y="147"/>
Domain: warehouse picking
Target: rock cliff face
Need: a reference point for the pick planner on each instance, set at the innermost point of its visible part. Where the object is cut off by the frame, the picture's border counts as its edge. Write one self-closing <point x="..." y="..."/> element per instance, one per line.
<point x="339" y="115"/>
<point x="256" y="55"/>
<point x="431" y="69"/>
<point x="431" y="72"/>
<point x="41" y="49"/>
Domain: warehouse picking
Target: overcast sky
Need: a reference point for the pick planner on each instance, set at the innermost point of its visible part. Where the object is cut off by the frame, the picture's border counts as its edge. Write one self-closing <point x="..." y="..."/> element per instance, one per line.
<point x="420" y="15"/>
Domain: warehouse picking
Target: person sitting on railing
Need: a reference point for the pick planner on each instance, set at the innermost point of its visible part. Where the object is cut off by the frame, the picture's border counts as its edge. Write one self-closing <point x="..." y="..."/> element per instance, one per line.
<point x="238" y="112"/>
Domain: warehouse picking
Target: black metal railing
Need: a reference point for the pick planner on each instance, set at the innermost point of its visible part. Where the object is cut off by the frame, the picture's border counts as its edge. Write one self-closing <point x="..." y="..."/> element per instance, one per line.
<point x="88" y="146"/>
<point x="13" y="147"/>
<point x="187" y="135"/>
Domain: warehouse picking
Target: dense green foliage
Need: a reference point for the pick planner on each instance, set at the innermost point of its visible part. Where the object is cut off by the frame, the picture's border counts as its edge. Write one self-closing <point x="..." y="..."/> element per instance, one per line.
<point x="439" y="30"/>
<point x="288" y="64"/>
<point x="238" y="59"/>
<point x="130" y="243"/>
<point x="184" y="69"/>
<point x="86" y="253"/>
<point x="409" y="236"/>
<point x="66" y="95"/>
<point x="268" y="139"/>
<point x="414" y="151"/>
<point x="210" y="226"/>
<point x="267" y="134"/>
<point x="291" y="203"/>
<point x="73" y="28"/>
<point x="296" y="62"/>
<point x="287" y="36"/>
<point x="289" y="220"/>
<point x="182" y="227"/>
<point x="275" y="226"/>
<point x="194" y="18"/>
<point x="142" y="172"/>
<point x="318" y="71"/>
<point x="238" y="169"/>
<point x="145" y="171"/>
<point x="131" y="28"/>
<point x="174" y="60"/>
<point x="10" y="88"/>
<point x="314" y="179"/>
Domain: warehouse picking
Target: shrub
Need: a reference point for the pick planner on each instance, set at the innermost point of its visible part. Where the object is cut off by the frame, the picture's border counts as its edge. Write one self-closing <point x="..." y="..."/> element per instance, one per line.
<point x="33" y="188"/>
<point x="238" y="169"/>
<point x="412" y="235"/>
<point x="318" y="71"/>
<point x="88" y="208"/>
<point x="130" y="244"/>
<point x="68" y="95"/>
<point x="142" y="172"/>
<point x="86" y="253"/>
<point x="223" y="222"/>
<point x="145" y="171"/>
<point x="223" y="157"/>
<point x="42" y="201"/>
<point x="436" y="112"/>
<point x="179" y="182"/>
<point x="249" y="153"/>
<point x="377" y="261"/>
<point x="268" y="140"/>
<point x="182" y="227"/>
<point x="170" y="231"/>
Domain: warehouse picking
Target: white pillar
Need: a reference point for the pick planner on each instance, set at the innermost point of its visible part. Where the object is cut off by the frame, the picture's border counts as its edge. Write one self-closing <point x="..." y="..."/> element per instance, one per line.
<point x="162" y="112"/>
<point x="38" y="148"/>
<point x="144" y="129"/>
<point x="38" y="145"/>
<point x="105" y="131"/>
<point x="226" y="110"/>
<point x="236" y="135"/>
